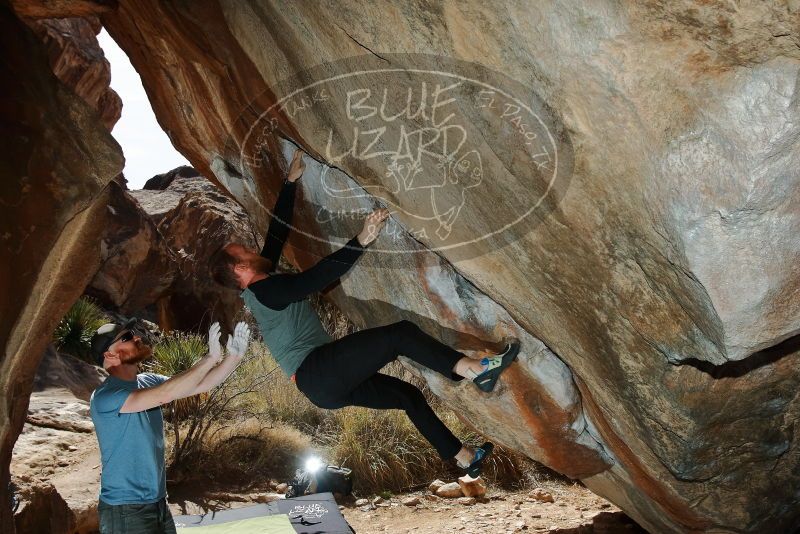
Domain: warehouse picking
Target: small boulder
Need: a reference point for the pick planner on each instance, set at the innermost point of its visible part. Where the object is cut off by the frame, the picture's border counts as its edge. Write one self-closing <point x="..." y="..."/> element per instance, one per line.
<point x="282" y="487"/>
<point x="541" y="495"/>
<point x="472" y="487"/>
<point x="450" y="491"/>
<point x="411" y="501"/>
<point x="362" y="502"/>
<point x="467" y="501"/>
<point x="435" y="485"/>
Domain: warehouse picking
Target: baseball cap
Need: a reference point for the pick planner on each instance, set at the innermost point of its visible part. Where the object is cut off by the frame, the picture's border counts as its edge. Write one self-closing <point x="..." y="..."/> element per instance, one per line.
<point x="104" y="336"/>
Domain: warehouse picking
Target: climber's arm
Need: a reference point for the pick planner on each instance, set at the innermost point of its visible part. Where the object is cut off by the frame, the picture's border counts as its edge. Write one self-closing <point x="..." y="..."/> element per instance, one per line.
<point x="279" y="290"/>
<point x="278" y="229"/>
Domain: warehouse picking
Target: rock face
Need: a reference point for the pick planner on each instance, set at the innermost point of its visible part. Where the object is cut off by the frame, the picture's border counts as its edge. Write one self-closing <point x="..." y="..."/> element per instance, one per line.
<point x="137" y="266"/>
<point x="156" y="245"/>
<point x="58" y="370"/>
<point x="57" y="157"/>
<point x="77" y="60"/>
<point x="616" y="184"/>
<point x="655" y="284"/>
<point x="42" y="509"/>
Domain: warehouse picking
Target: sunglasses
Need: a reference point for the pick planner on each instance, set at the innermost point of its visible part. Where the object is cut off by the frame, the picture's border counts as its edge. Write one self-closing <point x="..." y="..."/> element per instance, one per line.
<point x="125" y="336"/>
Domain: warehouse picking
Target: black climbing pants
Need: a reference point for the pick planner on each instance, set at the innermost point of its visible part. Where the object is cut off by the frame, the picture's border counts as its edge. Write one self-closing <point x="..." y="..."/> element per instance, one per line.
<point x="345" y="373"/>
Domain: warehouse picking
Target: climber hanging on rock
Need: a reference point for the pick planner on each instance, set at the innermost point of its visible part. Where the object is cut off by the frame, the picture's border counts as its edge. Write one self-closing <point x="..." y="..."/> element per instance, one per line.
<point x="345" y="372"/>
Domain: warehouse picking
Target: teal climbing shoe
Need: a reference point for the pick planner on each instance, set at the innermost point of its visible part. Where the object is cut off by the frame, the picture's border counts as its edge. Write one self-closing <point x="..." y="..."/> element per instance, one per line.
<point x="495" y="365"/>
<point x="481" y="454"/>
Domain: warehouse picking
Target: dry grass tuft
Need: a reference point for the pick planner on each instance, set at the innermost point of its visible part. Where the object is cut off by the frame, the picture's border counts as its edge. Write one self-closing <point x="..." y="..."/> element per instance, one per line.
<point x="244" y="455"/>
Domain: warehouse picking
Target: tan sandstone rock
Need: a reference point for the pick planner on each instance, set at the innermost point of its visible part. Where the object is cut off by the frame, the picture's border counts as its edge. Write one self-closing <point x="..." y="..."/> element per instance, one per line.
<point x="411" y="501"/>
<point x="472" y="487"/>
<point x="451" y="490"/>
<point x="538" y="494"/>
<point x="435" y="485"/>
<point x="58" y="157"/>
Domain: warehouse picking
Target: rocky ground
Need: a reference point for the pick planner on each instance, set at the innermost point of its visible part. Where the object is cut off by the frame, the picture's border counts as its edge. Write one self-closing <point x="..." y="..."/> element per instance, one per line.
<point x="574" y="510"/>
<point x="56" y="471"/>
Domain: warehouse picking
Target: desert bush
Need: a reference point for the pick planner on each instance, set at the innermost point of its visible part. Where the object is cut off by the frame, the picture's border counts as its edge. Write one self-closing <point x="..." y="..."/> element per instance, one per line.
<point x="176" y="352"/>
<point x="278" y="398"/>
<point x="244" y="454"/>
<point x="197" y="419"/>
<point x="384" y="450"/>
<point x="74" y="332"/>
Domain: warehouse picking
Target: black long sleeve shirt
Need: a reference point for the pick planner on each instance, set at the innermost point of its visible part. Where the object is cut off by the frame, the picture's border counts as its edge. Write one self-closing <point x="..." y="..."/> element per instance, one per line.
<point x="278" y="290"/>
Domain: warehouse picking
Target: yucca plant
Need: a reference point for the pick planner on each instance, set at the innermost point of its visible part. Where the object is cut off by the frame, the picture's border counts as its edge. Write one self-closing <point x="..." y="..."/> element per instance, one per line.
<point x="174" y="353"/>
<point x="74" y="332"/>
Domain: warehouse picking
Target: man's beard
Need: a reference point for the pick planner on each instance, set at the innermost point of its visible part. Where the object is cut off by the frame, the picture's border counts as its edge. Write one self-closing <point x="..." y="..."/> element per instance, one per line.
<point x="142" y="353"/>
<point x="260" y="264"/>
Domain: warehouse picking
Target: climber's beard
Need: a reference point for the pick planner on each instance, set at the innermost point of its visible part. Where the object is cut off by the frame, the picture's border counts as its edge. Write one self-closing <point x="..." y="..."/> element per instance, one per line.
<point x="260" y="264"/>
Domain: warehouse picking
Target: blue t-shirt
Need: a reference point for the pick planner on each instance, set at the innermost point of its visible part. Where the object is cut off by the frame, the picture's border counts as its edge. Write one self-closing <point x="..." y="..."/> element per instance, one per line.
<point x="131" y="444"/>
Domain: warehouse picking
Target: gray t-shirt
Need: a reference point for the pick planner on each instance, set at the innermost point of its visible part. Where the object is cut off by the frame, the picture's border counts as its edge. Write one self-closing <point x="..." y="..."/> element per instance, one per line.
<point x="290" y="333"/>
<point x="131" y="444"/>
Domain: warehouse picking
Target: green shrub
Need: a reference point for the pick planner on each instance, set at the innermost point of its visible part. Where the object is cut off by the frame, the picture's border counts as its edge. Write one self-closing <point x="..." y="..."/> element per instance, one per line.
<point x="74" y="332"/>
<point x="176" y="352"/>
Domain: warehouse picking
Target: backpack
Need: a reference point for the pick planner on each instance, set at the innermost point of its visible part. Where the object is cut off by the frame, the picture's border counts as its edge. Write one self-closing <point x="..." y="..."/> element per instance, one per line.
<point x="332" y="478"/>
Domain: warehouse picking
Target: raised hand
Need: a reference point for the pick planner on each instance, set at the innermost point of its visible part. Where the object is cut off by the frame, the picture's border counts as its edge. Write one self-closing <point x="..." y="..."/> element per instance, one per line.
<point x="372" y="226"/>
<point x="239" y="340"/>
<point x="214" y="347"/>
<point x="297" y="166"/>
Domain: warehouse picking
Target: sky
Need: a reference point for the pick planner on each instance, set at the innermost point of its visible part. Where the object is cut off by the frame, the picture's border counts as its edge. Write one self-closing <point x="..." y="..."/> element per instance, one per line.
<point x="146" y="147"/>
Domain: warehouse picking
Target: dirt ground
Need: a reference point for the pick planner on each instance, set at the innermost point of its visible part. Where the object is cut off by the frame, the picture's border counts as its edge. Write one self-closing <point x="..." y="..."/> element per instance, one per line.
<point x="575" y="510"/>
<point x="68" y="458"/>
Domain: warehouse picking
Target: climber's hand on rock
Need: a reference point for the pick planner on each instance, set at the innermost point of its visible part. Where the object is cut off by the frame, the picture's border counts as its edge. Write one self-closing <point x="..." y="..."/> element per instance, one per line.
<point x="372" y="226"/>
<point x="297" y="166"/>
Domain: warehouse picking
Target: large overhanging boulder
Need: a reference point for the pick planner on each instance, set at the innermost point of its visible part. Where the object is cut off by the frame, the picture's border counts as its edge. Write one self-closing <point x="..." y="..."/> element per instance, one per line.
<point x="654" y="285"/>
<point x="77" y="60"/>
<point x="660" y="272"/>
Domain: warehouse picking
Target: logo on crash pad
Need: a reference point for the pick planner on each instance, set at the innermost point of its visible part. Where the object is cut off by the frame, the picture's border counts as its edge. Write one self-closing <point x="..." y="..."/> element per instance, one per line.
<point x="308" y="511"/>
<point x="466" y="159"/>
